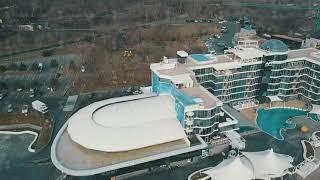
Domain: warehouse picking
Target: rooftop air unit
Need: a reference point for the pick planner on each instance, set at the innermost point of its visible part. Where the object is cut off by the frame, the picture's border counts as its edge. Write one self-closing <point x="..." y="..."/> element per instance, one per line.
<point x="165" y="60"/>
<point x="182" y="55"/>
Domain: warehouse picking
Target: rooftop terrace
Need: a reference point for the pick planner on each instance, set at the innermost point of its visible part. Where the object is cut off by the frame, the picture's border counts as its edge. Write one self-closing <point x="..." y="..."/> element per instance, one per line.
<point x="310" y="53"/>
<point x="201" y="96"/>
<point x="74" y="159"/>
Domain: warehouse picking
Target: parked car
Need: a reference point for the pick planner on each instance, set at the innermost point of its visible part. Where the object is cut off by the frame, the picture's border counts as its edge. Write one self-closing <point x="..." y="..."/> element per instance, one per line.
<point x="24" y="109"/>
<point x="31" y="91"/>
<point x="222" y="21"/>
<point x="2" y="95"/>
<point x="10" y="108"/>
<point x="40" y="106"/>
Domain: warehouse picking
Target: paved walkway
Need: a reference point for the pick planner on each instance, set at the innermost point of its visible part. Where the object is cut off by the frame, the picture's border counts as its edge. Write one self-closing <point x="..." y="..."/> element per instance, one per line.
<point x="242" y="121"/>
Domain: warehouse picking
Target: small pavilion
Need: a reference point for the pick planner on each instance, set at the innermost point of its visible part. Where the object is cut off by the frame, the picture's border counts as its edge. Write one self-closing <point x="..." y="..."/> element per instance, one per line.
<point x="275" y="99"/>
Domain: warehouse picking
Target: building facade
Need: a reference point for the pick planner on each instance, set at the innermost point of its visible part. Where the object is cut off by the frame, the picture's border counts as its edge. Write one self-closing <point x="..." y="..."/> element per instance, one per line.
<point x="240" y="78"/>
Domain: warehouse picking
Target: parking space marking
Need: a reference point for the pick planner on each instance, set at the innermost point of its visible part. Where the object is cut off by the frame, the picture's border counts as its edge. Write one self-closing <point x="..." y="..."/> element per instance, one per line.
<point x="71" y="101"/>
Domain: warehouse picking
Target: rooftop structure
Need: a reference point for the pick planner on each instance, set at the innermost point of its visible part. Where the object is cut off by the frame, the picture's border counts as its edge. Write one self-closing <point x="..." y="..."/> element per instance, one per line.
<point x="186" y="99"/>
<point x="232" y="168"/>
<point x="268" y="164"/>
<point x="236" y="141"/>
<point x="144" y="118"/>
<point x="250" y="165"/>
<point x="119" y="133"/>
<point x="274" y="45"/>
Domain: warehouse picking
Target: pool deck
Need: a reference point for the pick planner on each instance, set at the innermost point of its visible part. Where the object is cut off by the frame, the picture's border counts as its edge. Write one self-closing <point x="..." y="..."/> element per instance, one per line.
<point x="316" y="174"/>
<point x="294" y="136"/>
<point x="251" y="114"/>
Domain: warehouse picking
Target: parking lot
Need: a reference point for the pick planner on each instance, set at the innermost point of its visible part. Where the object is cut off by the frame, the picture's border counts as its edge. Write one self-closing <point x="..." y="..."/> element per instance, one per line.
<point x="14" y="149"/>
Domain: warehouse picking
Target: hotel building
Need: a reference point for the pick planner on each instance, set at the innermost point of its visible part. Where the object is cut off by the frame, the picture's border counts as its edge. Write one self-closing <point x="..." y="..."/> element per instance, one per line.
<point x="183" y="111"/>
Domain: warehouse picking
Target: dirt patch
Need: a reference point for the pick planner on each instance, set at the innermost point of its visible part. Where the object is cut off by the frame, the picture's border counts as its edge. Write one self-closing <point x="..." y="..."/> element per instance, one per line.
<point x="33" y="118"/>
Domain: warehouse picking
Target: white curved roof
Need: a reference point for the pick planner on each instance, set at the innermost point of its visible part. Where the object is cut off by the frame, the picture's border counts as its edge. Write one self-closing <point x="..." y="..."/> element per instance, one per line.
<point x="268" y="164"/>
<point x="126" y="123"/>
<point x="231" y="169"/>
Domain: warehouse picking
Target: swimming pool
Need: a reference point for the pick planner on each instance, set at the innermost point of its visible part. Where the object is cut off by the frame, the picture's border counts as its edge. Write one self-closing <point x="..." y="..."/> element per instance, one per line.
<point x="199" y="57"/>
<point x="271" y="121"/>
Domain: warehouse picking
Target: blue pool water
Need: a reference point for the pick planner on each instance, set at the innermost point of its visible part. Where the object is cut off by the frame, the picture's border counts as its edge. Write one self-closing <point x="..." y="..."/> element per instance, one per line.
<point x="179" y="96"/>
<point x="181" y="99"/>
<point x="199" y="57"/>
<point x="271" y="121"/>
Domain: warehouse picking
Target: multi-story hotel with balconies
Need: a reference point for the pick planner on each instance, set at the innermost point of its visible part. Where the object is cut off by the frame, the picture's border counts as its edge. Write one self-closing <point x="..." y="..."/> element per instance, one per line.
<point x="184" y="109"/>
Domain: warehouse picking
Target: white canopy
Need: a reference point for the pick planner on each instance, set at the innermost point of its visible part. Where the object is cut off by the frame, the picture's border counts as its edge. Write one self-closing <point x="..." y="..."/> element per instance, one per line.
<point x="268" y="164"/>
<point x="231" y="169"/>
<point x="274" y="98"/>
<point x="315" y="109"/>
<point x="126" y="123"/>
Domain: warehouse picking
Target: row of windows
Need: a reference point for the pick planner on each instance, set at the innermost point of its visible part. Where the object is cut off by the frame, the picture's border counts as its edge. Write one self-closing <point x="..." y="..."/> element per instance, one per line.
<point x="316" y="101"/>
<point x="301" y="79"/>
<point x="251" y="67"/>
<point x="207" y="113"/>
<point x="244" y="82"/>
<point x="239" y="96"/>
<point x="235" y="90"/>
<point x="295" y="85"/>
<point x="208" y="84"/>
<point x="208" y="77"/>
<point x="296" y="72"/>
<point x="203" y="71"/>
<point x="295" y="91"/>
<point x="205" y="131"/>
<point x="239" y="76"/>
<point x="297" y="64"/>
<point x="211" y="77"/>
<point x="206" y="122"/>
<point x="275" y="58"/>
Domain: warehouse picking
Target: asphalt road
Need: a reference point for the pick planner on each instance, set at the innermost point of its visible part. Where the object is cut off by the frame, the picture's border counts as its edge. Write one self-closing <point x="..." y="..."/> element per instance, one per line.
<point x="14" y="149"/>
<point x="38" y="166"/>
<point x="33" y="166"/>
<point x="226" y="38"/>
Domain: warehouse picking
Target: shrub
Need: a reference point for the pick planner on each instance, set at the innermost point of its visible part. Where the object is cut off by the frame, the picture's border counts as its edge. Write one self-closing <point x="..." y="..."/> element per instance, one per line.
<point x="54" y="63"/>
<point x="72" y="66"/>
<point x="18" y="84"/>
<point x="34" y="66"/>
<point x="46" y="53"/>
<point x="13" y="67"/>
<point x="35" y="83"/>
<point x="3" y="85"/>
<point x="3" y="68"/>
<point x="23" y="67"/>
<point x="54" y="83"/>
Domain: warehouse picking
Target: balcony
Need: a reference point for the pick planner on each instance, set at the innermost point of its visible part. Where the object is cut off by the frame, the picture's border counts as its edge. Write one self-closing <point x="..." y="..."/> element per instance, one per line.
<point x="189" y="122"/>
